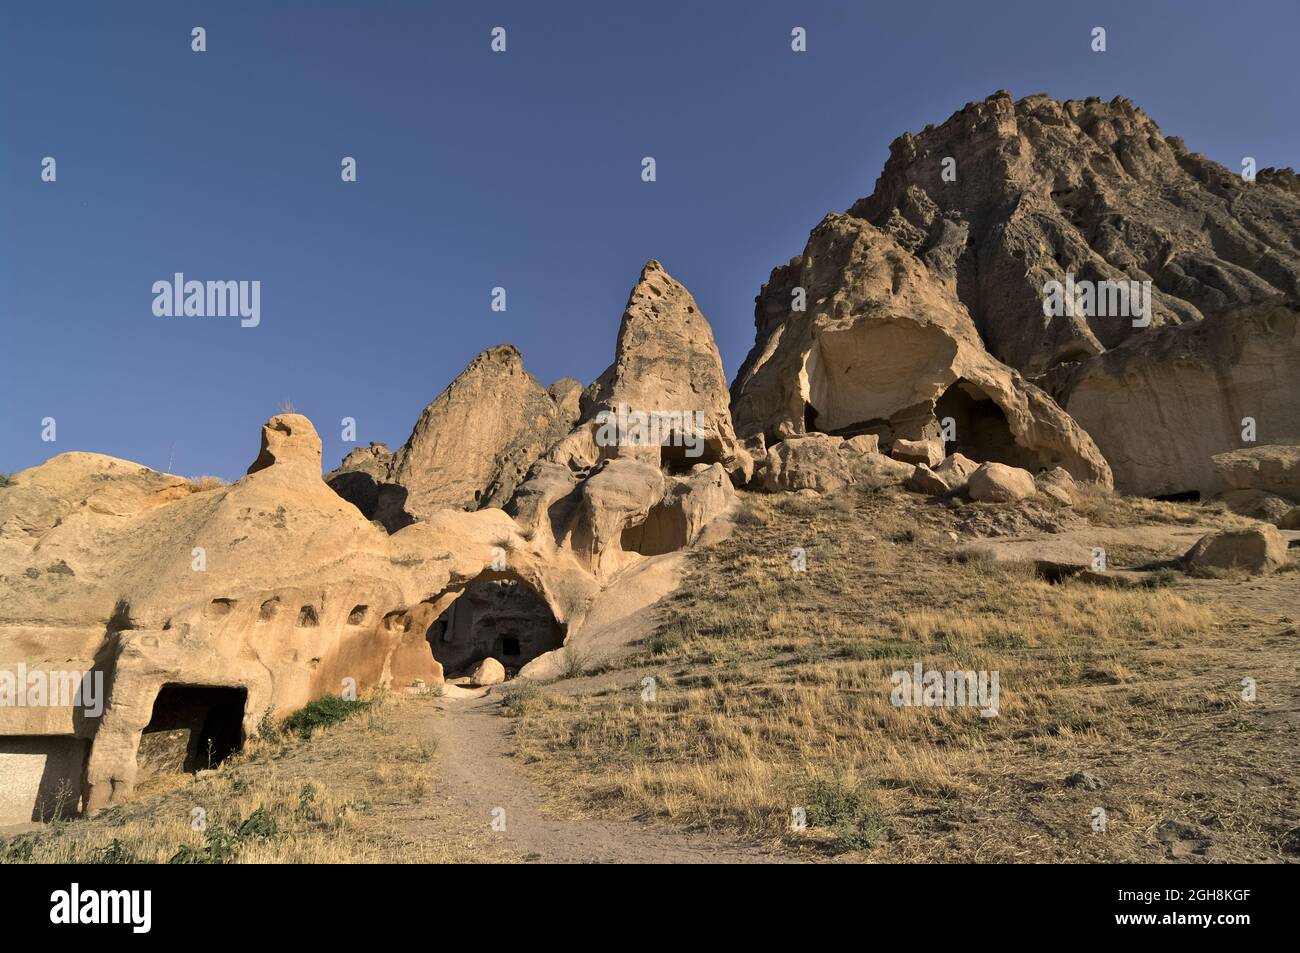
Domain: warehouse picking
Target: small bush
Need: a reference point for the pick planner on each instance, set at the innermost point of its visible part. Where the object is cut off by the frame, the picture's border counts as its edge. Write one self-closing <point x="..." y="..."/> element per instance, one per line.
<point x="667" y="641"/>
<point x="115" y="853"/>
<point x="575" y="662"/>
<point x="323" y="712"/>
<point x="1161" y="578"/>
<point x="222" y="844"/>
<point x="525" y="696"/>
<point x="847" y="810"/>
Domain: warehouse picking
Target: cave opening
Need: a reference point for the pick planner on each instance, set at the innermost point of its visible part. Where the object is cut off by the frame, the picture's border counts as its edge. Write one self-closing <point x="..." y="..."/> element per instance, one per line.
<point x="504" y="619"/>
<point x="979" y="428"/>
<point x="193" y="728"/>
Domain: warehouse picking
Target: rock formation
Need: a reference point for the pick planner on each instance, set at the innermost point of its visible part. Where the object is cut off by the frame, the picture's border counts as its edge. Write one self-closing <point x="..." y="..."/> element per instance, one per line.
<point x="470" y="447"/>
<point x="666" y="365"/>
<point x="926" y="300"/>
<point x="206" y="607"/>
<point x="884" y="346"/>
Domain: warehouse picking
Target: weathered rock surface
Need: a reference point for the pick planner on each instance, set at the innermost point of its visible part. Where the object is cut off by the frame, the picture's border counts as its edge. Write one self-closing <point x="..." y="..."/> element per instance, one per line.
<point x="999" y="483"/>
<point x="1044" y="187"/>
<point x="886" y="347"/>
<point x="1258" y="549"/>
<point x="1269" y="469"/>
<point x="1163" y="405"/>
<point x="473" y="445"/>
<point x="666" y="363"/>
<point x="488" y="672"/>
<point x="917" y="452"/>
<point x="1258" y="505"/>
<point x="1059" y="485"/>
<point x="1038" y="191"/>
<point x="814" y="461"/>
<point x="925" y="480"/>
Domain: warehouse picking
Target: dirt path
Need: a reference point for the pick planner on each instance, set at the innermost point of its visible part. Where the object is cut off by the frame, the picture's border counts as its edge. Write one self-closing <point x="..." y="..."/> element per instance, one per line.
<point x="476" y="775"/>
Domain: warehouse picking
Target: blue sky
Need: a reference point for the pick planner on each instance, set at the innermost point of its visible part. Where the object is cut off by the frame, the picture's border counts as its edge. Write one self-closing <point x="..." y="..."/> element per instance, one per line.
<point x="478" y="170"/>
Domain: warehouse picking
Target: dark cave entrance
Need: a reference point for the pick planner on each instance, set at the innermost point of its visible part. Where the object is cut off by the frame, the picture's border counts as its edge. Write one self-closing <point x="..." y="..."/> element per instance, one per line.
<point x="194" y="727"/>
<point x="981" y="429"/>
<point x="501" y="618"/>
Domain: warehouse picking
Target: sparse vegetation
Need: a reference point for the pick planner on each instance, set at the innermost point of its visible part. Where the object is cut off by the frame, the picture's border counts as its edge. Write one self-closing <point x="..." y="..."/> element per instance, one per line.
<point x="323" y="712"/>
<point x="283" y="800"/>
<point x="772" y="676"/>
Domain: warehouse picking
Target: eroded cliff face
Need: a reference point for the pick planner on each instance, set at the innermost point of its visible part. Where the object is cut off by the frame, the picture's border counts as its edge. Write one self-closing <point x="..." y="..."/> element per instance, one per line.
<point x="204" y="607"/>
<point x="986" y="210"/>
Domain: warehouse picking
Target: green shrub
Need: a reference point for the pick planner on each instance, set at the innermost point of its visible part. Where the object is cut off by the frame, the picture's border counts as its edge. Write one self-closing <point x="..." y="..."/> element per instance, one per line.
<point x="323" y="712"/>
<point x="846" y="809"/>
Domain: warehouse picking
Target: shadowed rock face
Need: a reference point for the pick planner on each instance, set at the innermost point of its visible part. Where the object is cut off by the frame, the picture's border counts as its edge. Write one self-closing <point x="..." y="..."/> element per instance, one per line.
<point x="1161" y="409"/>
<point x="1042" y="189"/>
<point x="1092" y="188"/>
<point x="880" y="345"/>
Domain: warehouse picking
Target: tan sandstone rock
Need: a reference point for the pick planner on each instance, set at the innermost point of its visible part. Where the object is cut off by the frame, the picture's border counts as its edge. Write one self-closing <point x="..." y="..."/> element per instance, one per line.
<point x="886" y="345"/>
<point x="917" y="452"/>
<point x="813" y="461"/>
<point x="1059" y="485"/>
<point x="488" y="672"/>
<point x="1269" y="469"/>
<point x="666" y="363"/>
<point x="1258" y="549"/>
<point x="999" y="483"/>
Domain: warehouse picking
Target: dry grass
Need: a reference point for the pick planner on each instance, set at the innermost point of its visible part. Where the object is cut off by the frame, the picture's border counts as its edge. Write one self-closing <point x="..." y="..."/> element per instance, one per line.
<point x="773" y="688"/>
<point x="201" y="484"/>
<point x="283" y="800"/>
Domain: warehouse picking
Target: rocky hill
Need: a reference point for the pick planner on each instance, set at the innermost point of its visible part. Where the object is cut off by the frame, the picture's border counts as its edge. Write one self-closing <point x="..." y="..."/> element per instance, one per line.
<point x="972" y="220"/>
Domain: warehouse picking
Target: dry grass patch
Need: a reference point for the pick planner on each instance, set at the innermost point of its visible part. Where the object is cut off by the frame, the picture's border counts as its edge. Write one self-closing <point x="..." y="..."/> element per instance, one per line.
<point x="772" y="683"/>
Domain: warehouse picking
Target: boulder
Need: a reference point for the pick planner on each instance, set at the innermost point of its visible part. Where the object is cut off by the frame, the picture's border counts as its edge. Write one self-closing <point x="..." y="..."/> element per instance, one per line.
<point x="862" y="443"/>
<point x="1059" y="485"/>
<point x="488" y="672"/>
<point x="1257" y="505"/>
<point x="956" y="469"/>
<point x="1271" y="469"/>
<point x="1258" y="549"/>
<point x="875" y="471"/>
<point x="917" y="452"/>
<point x="999" y="483"/>
<point x="925" y="480"/>
<point x="813" y="461"/>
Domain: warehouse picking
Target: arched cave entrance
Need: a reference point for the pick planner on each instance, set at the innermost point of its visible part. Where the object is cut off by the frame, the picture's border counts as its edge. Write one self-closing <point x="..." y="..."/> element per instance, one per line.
<point x="194" y="727"/>
<point x="982" y="431"/>
<point x="502" y="618"/>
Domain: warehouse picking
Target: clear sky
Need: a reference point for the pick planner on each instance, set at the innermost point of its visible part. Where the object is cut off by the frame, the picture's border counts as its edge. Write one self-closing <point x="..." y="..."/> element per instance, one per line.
<point x="478" y="169"/>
